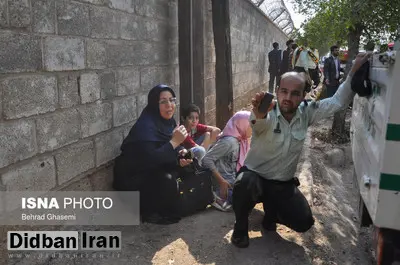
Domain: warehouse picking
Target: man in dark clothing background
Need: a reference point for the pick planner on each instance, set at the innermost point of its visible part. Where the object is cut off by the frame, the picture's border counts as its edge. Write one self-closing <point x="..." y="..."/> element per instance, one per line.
<point x="332" y="71"/>
<point x="274" y="58"/>
<point x="293" y="47"/>
<point x="285" y="58"/>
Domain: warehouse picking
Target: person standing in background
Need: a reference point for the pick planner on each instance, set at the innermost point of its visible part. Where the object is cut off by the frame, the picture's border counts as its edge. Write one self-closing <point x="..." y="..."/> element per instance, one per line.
<point x="304" y="58"/>
<point x="293" y="48"/>
<point x="274" y="58"/>
<point x="332" y="72"/>
<point x="315" y="72"/>
<point x="285" y="58"/>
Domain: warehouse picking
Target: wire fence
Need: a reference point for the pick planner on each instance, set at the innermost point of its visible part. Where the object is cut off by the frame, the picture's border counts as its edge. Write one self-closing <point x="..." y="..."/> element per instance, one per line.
<point x="277" y="11"/>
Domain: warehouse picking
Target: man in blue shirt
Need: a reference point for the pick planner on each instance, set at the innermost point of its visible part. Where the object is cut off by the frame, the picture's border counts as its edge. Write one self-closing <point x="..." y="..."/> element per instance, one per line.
<point x="276" y="145"/>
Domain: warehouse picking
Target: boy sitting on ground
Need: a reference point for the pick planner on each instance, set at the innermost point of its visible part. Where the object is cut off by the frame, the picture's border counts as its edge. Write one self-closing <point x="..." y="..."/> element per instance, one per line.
<point x="199" y="135"/>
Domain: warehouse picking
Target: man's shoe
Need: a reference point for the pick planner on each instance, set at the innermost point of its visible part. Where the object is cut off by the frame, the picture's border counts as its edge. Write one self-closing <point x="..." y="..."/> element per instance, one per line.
<point x="240" y="241"/>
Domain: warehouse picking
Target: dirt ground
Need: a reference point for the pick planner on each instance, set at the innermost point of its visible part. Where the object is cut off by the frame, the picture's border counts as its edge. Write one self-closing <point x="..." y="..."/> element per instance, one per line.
<point x="205" y="238"/>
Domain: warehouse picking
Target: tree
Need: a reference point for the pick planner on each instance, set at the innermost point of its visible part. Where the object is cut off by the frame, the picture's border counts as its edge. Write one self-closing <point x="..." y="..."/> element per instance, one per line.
<point x="321" y="35"/>
<point x="348" y="21"/>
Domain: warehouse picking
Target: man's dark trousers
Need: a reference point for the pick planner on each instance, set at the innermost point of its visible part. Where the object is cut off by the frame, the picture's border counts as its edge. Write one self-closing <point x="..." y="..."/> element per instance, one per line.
<point x="283" y="202"/>
<point x="273" y="77"/>
<point x="332" y="88"/>
<point x="274" y="59"/>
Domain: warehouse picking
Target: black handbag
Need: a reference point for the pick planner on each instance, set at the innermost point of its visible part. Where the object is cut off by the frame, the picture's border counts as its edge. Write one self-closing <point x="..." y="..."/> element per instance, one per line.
<point x="195" y="189"/>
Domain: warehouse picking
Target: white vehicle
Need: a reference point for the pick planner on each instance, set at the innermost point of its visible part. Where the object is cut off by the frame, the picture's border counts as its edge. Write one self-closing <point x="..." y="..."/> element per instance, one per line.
<point x="375" y="135"/>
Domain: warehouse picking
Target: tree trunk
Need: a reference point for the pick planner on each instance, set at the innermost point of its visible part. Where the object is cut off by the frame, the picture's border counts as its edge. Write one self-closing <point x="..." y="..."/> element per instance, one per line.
<point x="339" y="120"/>
<point x="223" y="65"/>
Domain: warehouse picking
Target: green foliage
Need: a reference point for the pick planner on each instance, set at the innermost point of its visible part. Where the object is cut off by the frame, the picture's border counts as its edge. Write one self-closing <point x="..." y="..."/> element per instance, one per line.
<point x="320" y="33"/>
<point x="347" y="22"/>
<point x="335" y="21"/>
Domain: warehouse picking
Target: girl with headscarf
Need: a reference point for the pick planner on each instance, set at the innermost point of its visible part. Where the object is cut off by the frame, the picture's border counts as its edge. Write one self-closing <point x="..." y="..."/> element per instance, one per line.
<point x="150" y="156"/>
<point x="226" y="157"/>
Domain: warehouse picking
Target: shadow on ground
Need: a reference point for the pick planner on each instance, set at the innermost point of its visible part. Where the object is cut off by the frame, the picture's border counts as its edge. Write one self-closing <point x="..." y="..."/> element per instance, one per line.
<point x="205" y="239"/>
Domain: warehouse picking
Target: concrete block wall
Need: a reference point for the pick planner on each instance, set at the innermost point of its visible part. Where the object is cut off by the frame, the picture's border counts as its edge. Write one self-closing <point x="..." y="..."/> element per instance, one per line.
<point x="209" y="67"/>
<point x="74" y="77"/>
<point x="252" y="35"/>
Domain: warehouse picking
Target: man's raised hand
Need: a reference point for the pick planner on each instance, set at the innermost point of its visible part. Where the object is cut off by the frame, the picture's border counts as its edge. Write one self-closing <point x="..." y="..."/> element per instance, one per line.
<point x="360" y="60"/>
<point x="256" y="101"/>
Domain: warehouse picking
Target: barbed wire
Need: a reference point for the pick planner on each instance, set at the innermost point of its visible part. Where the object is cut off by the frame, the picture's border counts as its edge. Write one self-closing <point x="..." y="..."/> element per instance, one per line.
<point x="277" y="11"/>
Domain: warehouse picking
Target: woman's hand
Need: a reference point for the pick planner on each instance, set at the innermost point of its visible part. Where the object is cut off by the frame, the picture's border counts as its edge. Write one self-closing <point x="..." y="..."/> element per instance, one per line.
<point x="182" y="152"/>
<point x="178" y="136"/>
<point x="224" y="186"/>
<point x="185" y="162"/>
<point x="182" y="161"/>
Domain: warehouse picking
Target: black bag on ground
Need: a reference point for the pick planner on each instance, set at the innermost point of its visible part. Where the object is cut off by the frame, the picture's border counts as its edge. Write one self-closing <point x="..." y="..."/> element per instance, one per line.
<point x="195" y="190"/>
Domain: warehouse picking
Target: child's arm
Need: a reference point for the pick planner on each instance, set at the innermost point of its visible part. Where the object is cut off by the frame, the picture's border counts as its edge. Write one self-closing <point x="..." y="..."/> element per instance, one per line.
<point x="218" y="151"/>
<point x="189" y="143"/>
<point x="214" y="131"/>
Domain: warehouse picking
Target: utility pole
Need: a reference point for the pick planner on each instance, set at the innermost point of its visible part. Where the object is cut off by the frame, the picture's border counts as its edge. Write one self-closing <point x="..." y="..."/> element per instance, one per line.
<point x="223" y="67"/>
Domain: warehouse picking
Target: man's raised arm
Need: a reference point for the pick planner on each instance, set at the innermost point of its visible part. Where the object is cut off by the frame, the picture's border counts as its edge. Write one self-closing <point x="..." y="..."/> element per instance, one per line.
<point x="341" y="99"/>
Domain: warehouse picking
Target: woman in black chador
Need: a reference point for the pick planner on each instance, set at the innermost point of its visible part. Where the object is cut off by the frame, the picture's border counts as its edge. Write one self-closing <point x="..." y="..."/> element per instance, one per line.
<point x="151" y="157"/>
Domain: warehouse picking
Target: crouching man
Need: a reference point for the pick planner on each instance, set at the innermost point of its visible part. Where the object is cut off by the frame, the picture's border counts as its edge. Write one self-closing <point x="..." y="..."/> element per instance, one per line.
<point x="269" y="169"/>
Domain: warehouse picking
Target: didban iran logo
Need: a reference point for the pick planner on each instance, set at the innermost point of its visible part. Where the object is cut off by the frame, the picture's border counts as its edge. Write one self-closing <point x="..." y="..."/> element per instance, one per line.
<point x="63" y="240"/>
